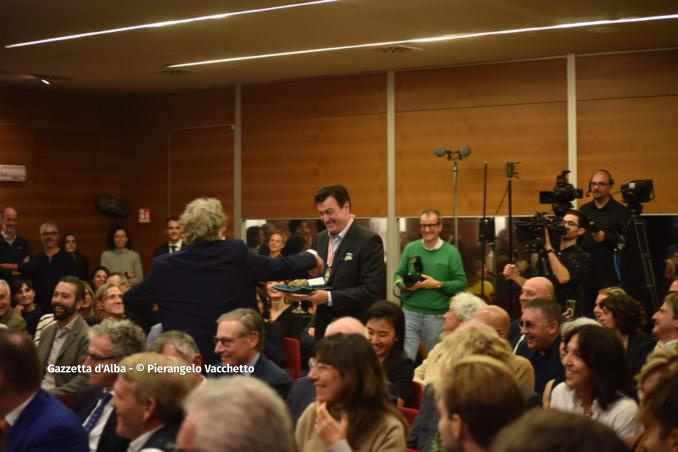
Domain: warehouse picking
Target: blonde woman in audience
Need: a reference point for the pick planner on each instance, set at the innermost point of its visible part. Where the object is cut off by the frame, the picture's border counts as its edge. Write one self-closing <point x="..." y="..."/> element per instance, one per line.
<point x="276" y="242"/>
<point x="597" y="383"/>
<point x="352" y="410"/>
<point x="109" y="303"/>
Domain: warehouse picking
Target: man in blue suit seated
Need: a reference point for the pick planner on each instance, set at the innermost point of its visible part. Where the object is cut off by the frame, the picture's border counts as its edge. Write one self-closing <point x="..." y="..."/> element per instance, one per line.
<point x="37" y="421"/>
<point x="239" y="339"/>
<point x="209" y="277"/>
<point x="148" y="400"/>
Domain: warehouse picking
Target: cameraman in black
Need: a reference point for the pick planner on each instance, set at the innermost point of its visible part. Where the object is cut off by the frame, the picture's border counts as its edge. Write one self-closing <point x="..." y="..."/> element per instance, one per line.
<point x="609" y="219"/>
<point x="569" y="264"/>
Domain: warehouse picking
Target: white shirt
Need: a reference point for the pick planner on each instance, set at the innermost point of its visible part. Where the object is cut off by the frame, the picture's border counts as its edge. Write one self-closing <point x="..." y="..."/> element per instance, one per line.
<point x="98" y="429"/>
<point x="620" y="416"/>
<point x="13" y="415"/>
<point x="177" y="246"/>
<point x="335" y="242"/>
<point x="137" y="444"/>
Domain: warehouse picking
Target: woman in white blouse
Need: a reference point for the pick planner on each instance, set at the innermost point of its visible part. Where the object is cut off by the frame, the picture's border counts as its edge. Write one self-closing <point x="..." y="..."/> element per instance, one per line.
<point x="597" y="380"/>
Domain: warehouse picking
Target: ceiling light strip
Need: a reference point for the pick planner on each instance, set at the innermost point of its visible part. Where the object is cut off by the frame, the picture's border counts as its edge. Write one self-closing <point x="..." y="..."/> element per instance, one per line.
<point x="432" y="39"/>
<point x="167" y="23"/>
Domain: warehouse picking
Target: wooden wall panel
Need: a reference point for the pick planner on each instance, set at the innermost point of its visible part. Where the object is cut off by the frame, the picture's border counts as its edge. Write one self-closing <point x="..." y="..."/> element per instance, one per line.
<point x="298" y="136"/>
<point x="482" y="85"/>
<point x="201" y="165"/>
<point x="533" y="134"/>
<point x="627" y="75"/>
<point x="634" y="138"/>
<point x="201" y="108"/>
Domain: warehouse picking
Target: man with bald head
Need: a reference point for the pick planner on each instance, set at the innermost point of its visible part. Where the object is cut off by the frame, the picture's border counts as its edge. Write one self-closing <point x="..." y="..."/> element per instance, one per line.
<point x="530" y="289"/>
<point x="302" y="392"/>
<point x="14" y="249"/>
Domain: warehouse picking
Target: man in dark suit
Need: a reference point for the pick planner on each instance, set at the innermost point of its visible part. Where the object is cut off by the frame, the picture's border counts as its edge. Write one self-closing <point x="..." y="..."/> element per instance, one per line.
<point x="110" y="341"/>
<point x="354" y="257"/>
<point x="239" y="342"/>
<point x="37" y="421"/>
<point x="64" y="343"/>
<point x="173" y="233"/>
<point x="194" y="286"/>
<point x="14" y="249"/>
<point x="148" y="402"/>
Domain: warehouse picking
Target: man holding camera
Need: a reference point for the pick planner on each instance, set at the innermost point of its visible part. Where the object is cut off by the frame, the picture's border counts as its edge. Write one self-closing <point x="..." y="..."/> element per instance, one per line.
<point x="570" y="265"/>
<point x="429" y="274"/>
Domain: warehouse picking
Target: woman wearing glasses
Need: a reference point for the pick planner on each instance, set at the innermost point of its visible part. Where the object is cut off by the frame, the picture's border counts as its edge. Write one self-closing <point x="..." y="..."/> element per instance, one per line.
<point x="352" y="409"/>
<point x="597" y="382"/>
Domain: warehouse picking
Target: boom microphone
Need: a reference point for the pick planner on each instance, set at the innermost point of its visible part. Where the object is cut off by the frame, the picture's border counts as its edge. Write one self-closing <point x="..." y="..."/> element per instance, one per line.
<point x="462" y="152"/>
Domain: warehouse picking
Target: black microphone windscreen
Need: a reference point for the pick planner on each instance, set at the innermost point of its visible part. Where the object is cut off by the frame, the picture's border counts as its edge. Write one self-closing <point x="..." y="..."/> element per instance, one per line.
<point x="440" y="151"/>
<point x="465" y="150"/>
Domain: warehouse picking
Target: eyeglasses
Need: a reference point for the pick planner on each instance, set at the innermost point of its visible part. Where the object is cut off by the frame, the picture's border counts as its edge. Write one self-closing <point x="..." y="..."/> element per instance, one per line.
<point x="527" y="325"/>
<point x="97" y="358"/>
<point x="318" y="367"/>
<point x="571" y="223"/>
<point x="600" y="184"/>
<point x="225" y="341"/>
<point x="428" y="226"/>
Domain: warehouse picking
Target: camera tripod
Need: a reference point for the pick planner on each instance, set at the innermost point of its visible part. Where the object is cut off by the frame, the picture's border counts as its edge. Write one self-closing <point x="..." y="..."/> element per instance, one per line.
<point x="640" y="232"/>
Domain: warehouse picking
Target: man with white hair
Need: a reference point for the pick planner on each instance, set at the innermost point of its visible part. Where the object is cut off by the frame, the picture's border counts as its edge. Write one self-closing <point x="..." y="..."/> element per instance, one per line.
<point x="8" y="316"/>
<point x="462" y="307"/>
<point x="243" y="414"/>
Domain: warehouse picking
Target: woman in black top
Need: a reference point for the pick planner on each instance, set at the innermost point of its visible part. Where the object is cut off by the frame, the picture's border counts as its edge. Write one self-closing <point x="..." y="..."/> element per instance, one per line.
<point x="81" y="264"/>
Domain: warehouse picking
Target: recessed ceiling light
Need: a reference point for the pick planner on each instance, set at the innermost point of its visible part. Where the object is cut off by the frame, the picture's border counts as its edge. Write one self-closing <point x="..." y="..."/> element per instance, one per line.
<point x="45" y="81"/>
<point x="595" y="23"/>
<point x="166" y="23"/>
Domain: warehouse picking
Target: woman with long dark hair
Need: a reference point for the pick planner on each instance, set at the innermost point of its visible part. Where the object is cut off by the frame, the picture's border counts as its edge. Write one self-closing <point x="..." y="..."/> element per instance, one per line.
<point x="119" y="257"/>
<point x="352" y="409"/>
<point x="69" y="243"/>
<point x="597" y="380"/>
<point x="385" y="323"/>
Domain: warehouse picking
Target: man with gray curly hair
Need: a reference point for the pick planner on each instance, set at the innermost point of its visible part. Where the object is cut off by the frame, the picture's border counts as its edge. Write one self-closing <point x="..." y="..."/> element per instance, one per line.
<point x="241" y="414"/>
<point x="211" y="276"/>
<point x="462" y="308"/>
<point x="109" y="342"/>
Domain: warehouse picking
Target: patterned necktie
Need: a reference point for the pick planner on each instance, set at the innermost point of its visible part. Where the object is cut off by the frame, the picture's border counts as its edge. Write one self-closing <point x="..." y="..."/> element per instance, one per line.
<point x="98" y="411"/>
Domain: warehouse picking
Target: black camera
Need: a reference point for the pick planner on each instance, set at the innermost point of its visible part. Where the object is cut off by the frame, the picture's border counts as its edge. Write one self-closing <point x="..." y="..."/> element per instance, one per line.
<point x="530" y="231"/>
<point x="562" y="195"/>
<point x="637" y="192"/>
<point x="414" y="275"/>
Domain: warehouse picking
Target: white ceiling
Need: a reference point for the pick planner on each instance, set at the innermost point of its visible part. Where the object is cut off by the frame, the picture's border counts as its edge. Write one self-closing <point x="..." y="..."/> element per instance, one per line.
<point x="133" y="61"/>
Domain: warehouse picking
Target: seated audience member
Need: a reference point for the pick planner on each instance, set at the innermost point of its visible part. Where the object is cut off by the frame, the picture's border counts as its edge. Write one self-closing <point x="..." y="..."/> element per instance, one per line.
<point x="208" y="278"/>
<point x="565" y="328"/>
<point x="8" y="316"/>
<point x="179" y="344"/>
<point x="80" y="263"/>
<point x="472" y="338"/>
<point x="551" y="430"/>
<point x="229" y="418"/>
<point x="120" y="280"/>
<point x="289" y="322"/>
<point x="462" y="307"/>
<point x="481" y="288"/>
<point x="255" y="238"/>
<point x="602" y="295"/>
<point x="239" y="340"/>
<point x="119" y="257"/>
<point x="24" y="296"/>
<point x="624" y="316"/>
<point x="65" y="342"/>
<point x="302" y="393"/>
<point x="658" y="415"/>
<point x="385" y="324"/>
<point x="35" y="420"/>
<point x="108" y="302"/>
<point x="540" y="326"/>
<point x="665" y="320"/>
<point x="109" y="342"/>
<point x="99" y="277"/>
<point x="597" y="383"/>
<point x="86" y="310"/>
<point x="478" y="396"/>
<point x="530" y="289"/>
<point x="499" y="320"/>
<point x="149" y="404"/>
<point x="274" y="337"/>
<point x="352" y="409"/>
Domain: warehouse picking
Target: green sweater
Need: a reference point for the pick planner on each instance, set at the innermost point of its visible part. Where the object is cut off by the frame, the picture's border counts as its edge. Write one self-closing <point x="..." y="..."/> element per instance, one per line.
<point x="442" y="264"/>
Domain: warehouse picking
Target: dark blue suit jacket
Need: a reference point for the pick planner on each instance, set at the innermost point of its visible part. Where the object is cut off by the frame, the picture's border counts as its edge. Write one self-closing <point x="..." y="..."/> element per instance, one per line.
<point x="266" y="371"/>
<point x="46" y="425"/>
<point x="86" y="400"/>
<point x="197" y="284"/>
<point x="358" y="275"/>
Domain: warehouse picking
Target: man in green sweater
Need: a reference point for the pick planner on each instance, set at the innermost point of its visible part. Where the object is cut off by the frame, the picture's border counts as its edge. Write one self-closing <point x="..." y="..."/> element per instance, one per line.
<point x="437" y="266"/>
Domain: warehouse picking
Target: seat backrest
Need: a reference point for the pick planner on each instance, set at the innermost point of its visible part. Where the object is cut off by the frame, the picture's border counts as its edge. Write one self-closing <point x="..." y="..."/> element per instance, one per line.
<point x="292" y="357"/>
